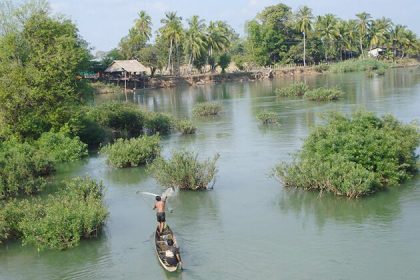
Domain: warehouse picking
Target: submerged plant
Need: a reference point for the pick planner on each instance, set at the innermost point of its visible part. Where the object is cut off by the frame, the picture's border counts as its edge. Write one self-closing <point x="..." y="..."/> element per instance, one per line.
<point x="207" y="109"/>
<point x="184" y="171"/>
<point x="185" y="126"/>
<point x="266" y="117"/>
<point x="296" y="89"/>
<point x="323" y="94"/>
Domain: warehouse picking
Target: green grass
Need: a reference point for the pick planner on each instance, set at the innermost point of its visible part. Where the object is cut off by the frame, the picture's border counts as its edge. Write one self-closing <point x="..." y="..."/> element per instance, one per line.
<point x="296" y="89"/>
<point x="207" y="109"/>
<point x="266" y="117"/>
<point x="323" y="94"/>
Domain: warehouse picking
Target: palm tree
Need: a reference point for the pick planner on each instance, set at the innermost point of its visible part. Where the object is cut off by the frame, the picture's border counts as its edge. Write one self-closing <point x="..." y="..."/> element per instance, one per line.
<point x="195" y="40"/>
<point x="144" y="25"/>
<point x="304" y="21"/>
<point x="327" y="29"/>
<point x="379" y="32"/>
<point x="171" y="31"/>
<point x="363" y="21"/>
<point x="348" y="35"/>
<point x="217" y="37"/>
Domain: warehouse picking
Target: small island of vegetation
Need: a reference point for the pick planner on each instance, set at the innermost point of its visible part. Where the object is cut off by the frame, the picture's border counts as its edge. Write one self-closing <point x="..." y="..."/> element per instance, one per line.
<point x="354" y="156"/>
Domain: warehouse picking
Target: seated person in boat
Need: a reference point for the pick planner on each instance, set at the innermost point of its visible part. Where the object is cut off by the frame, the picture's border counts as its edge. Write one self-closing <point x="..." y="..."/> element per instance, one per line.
<point x="160" y="212"/>
<point x="172" y="254"/>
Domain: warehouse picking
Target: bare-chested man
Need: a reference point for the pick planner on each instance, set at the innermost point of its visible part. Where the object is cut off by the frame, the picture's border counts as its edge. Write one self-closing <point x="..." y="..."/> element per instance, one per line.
<point x="160" y="212"/>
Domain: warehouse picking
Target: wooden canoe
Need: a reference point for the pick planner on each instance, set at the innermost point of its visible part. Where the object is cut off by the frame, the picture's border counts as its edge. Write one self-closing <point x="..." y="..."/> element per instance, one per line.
<point x="162" y="246"/>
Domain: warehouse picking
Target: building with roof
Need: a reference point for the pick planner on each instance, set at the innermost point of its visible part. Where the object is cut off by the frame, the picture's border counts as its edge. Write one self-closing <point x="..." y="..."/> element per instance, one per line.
<point x="131" y="67"/>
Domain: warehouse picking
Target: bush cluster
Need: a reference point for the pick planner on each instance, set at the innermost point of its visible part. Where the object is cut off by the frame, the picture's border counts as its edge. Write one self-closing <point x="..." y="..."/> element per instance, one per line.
<point x="354" y="156"/>
<point x="132" y="152"/>
<point x="353" y="65"/>
<point x="158" y="123"/>
<point x="206" y="109"/>
<point x="22" y="168"/>
<point x="323" y="94"/>
<point x="184" y="171"/>
<point x="185" y="127"/>
<point x="60" y="147"/>
<point x="59" y="221"/>
<point x="296" y="89"/>
<point x="266" y="117"/>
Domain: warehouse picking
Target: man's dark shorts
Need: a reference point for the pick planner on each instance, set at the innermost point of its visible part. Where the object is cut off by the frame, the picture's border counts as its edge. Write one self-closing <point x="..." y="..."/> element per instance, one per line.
<point x="160" y="217"/>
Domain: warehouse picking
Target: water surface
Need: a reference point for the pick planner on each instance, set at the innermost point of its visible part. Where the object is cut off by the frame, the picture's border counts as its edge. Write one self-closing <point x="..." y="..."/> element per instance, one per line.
<point x="249" y="226"/>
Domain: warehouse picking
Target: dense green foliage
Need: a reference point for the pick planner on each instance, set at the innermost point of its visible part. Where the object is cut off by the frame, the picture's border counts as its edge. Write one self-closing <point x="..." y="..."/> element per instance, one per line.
<point x="184" y="171"/>
<point x="59" y="221"/>
<point x="22" y="168"/>
<point x="60" y="147"/>
<point x="323" y="94"/>
<point x="266" y="117"/>
<point x="354" y="65"/>
<point x="124" y="119"/>
<point x="185" y="126"/>
<point x="158" y="123"/>
<point x="206" y="109"/>
<point x="354" y="156"/>
<point x="132" y="152"/>
<point x="296" y="89"/>
<point x="39" y="65"/>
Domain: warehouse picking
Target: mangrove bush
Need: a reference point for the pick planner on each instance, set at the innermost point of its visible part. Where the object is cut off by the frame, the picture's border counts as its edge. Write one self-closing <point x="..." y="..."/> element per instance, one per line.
<point x="206" y="109"/>
<point x="158" y="123"/>
<point x="266" y="117"/>
<point x="184" y="171"/>
<point x="185" y="127"/>
<point x="323" y="94"/>
<point x="354" y="156"/>
<point x="296" y="89"/>
<point x="60" y="147"/>
<point x="132" y="152"/>
<point x="22" y="168"/>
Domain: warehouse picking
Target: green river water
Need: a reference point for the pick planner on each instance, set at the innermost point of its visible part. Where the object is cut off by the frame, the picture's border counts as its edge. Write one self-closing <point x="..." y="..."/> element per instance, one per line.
<point x="249" y="226"/>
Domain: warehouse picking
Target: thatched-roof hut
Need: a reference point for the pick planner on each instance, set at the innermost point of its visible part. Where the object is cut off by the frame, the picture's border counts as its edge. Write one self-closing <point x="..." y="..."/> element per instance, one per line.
<point x="133" y="67"/>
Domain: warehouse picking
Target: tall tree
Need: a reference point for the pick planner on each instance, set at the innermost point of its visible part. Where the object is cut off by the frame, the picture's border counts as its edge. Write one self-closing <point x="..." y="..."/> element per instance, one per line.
<point x="363" y="22"/>
<point x="137" y="36"/>
<point x="379" y="32"/>
<point x="173" y="33"/>
<point x="195" y="40"/>
<point x="304" y="21"/>
<point x="327" y="28"/>
<point x="39" y="70"/>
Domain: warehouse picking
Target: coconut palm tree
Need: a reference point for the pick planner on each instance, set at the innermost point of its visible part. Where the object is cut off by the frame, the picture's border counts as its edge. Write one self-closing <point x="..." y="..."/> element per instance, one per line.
<point x="195" y="41"/>
<point x="143" y="25"/>
<point x="327" y="29"/>
<point x="363" y="21"/>
<point x="304" y="21"/>
<point x="217" y="37"/>
<point x="172" y="32"/>
<point x="348" y="35"/>
<point x="379" y="32"/>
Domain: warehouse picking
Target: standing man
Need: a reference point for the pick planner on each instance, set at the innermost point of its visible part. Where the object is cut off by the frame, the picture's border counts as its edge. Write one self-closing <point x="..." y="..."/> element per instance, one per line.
<point x="160" y="212"/>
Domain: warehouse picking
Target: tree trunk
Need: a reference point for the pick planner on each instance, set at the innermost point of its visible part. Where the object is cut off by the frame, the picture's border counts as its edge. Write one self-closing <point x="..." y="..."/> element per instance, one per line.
<point x="169" y="58"/>
<point x="304" y="49"/>
<point x="361" y="48"/>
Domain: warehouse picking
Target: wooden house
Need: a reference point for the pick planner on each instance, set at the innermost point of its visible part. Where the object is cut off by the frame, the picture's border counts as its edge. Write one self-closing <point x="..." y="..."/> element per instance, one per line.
<point x="128" y="68"/>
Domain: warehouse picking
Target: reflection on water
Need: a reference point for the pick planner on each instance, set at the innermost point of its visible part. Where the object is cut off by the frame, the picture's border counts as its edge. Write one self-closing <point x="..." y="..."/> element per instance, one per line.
<point x="248" y="227"/>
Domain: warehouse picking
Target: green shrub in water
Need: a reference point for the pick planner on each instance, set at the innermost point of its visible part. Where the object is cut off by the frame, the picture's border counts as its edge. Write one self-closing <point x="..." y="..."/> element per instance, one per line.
<point x="61" y="220"/>
<point x="323" y="94"/>
<point x="185" y="127"/>
<point x="206" y="109"/>
<point x="268" y="117"/>
<point x="125" y="120"/>
<point x="353" y="65"/>
<point x="354" y="156"/>
<point x="184" y="171"/>
<point x="22" y="168"/>
<point x="296" y="89"/>
<point x="158" y="123"/>
<point x="60" y="147"/>
<point x="132" y="152"/>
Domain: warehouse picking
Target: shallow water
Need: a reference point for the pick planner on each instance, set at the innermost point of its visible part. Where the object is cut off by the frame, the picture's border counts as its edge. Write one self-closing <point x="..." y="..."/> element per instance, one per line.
<point x="249" y="226"/>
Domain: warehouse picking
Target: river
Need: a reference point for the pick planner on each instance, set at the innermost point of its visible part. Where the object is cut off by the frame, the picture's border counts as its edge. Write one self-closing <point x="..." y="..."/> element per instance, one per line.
<point x="249" y="226"/>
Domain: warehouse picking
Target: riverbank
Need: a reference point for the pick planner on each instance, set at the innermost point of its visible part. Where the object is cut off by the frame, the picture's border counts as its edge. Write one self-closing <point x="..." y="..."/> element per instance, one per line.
<point x="243" y="76"/>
